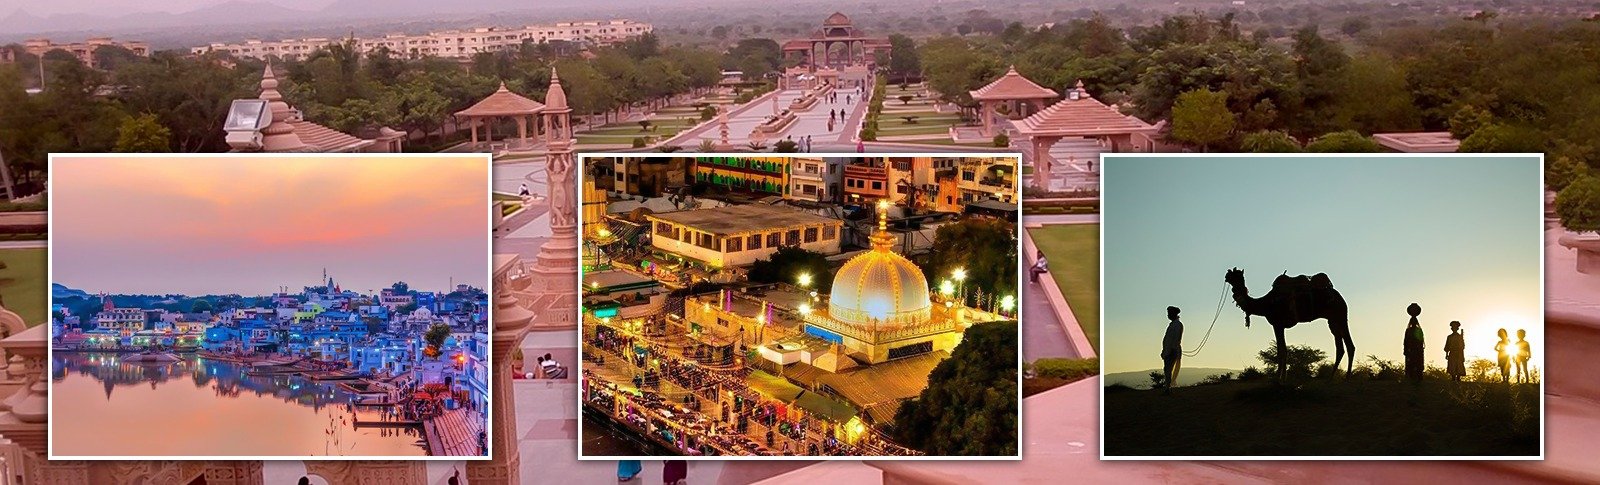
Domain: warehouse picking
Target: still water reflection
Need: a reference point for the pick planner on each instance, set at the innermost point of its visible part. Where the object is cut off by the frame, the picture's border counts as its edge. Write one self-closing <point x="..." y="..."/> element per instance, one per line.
<point x="199" y="407"/>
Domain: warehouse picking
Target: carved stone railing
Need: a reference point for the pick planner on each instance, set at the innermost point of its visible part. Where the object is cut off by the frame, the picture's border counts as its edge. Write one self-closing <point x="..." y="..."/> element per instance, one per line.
<point x="23" y="427"/>
<point x="1588" y="248"/>
<point x="880" y="335"/>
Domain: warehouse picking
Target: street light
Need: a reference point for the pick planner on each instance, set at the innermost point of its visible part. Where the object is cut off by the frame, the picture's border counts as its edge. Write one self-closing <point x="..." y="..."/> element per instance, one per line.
<point x="947" y="288"/>
<point x="1007" y="303"/>
<point x="960" y="275"/>
<point x="805" y="280"/>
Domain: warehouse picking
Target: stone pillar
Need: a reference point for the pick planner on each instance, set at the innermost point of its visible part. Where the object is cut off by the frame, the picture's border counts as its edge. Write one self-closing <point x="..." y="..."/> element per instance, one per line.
<point x="510" y="324"/>
<point x="1041" y="162"/>
<point x="522" y="130"/>
<point x="984" y="111"/>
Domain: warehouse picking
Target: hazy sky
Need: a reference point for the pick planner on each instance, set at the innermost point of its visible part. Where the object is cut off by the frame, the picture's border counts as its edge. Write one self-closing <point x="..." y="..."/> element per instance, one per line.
<point x="117" y="7"/>
<point x="249" y="225"/>
<point x="1460" y="236"/>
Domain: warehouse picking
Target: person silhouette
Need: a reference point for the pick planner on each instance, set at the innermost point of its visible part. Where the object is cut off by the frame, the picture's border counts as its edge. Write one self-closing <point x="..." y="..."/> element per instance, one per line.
<point x="1172" y="348"/>
<point x="1454" y="347"/>
<point x="1414" y="344"/>
<point x="1523" y="353"/>
<point x="1505" y="362"/>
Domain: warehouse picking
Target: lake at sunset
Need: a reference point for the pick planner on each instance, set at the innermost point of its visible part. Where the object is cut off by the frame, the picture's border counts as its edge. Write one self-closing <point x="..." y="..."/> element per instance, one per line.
<point x="105" y="407"/>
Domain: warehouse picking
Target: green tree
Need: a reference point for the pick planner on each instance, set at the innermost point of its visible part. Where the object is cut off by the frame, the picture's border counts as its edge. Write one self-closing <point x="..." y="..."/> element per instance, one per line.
<point x="435" y="337"/>
<point x="1270" y="142"/>
<point x="1374" y="97"/>
<point x="756" y="57"/>
<point x="1578" y="205"/>
<point x="903" y="58"/>
<point x="1563" y="172"/>
<point x="788" y="263"/>
<point x="1013" y="33"/>
<point x="1347" y="141"/>
<point x="1468" y="120"/>
<point x="970" y="405"/>
<point x="187" y="96"/>
<point x="1302" y="359"/>
<point x="200" y="305"/>
<point x="1201" y="117"/>
<point x="1354" y="25"/>
<point x="111" y="57"/>
<point x="1498" y="138"/>
<point x="1319" y="65"/>
<point x="985" y="248"/>
<point x="142" y="134"/>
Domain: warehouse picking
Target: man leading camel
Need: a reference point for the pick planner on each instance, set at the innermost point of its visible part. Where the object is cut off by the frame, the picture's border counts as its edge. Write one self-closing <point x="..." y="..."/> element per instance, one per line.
<point x="1172" y="348"/>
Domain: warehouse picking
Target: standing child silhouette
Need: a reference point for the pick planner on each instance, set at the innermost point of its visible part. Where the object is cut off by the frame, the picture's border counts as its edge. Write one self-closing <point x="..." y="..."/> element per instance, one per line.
<point x="1505" y="362"/>
<point x="1523" y="353"/>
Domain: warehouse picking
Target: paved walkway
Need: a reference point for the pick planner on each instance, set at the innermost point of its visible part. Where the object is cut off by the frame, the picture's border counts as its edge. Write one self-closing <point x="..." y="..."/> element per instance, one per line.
<point x="1042" y="334"/>
<point x="814" y="122"/>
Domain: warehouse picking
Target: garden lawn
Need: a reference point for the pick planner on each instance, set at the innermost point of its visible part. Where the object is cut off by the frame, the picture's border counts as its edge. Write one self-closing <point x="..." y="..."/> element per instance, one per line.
<point x="23" y="285"/>
<point x="1074" y="254"/>
<point x="947" y="141"/>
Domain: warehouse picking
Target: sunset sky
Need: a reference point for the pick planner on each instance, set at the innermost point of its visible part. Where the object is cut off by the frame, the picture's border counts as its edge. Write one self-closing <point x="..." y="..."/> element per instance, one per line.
<point x="215" y="225"/>
<point x="1460" y="236"/>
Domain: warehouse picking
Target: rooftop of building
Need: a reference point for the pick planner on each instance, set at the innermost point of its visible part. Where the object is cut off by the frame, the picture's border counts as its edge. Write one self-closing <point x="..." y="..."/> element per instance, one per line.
<point x="740" y="219"/>
<point x="1418" y="142"/>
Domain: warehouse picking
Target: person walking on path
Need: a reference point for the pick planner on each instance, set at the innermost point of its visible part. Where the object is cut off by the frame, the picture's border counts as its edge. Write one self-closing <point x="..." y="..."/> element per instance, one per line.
<point x="1171" y="349"/>
<point x="1413" y="344"/>
<point x="1455" y="347"/>
<point x="628" y="469"/>
<point x="523" y="191"/>
<point x="674" y="472"/>
<point x="1523" y="353"/>
<point x="1505" y="361"/>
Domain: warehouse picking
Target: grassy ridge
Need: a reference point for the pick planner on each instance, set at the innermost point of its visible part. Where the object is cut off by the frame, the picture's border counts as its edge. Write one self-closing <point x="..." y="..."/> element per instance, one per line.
<point x="1325" y="418"/>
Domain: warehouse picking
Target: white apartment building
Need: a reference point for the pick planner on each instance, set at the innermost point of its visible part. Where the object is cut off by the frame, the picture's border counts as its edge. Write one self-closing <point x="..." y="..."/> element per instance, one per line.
<point x="815" y="179"/>
<point x="450" y="43"/>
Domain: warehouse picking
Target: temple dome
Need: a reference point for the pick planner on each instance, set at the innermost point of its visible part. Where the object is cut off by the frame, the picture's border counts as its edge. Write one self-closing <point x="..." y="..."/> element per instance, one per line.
<point x="880" y="288"/>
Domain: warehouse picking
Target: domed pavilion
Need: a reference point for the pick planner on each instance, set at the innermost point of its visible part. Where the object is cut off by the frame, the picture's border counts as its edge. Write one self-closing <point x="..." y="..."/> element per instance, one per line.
<point x="880" y="308"/>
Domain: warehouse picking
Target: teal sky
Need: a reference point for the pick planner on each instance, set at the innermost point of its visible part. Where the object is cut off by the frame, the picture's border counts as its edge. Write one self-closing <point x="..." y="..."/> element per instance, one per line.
<point x="1460" y="236"/>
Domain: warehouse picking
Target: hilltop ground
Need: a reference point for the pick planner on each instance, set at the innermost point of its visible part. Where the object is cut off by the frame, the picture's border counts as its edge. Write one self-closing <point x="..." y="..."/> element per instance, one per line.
<point x="1325" y="418"/>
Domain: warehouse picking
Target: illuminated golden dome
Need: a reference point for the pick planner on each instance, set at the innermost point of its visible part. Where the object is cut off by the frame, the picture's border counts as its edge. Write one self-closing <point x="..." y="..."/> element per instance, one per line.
<point x="880" y="288"/>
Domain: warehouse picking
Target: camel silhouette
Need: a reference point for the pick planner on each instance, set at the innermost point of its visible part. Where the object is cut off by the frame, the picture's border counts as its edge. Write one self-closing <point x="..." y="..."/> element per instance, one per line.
<point x="1296" y="299"/>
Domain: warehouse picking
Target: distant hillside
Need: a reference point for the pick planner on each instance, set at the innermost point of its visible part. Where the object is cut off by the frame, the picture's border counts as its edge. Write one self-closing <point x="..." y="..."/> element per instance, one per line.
<point x="1357" y="417"/>
<point x="1187" y="376"/>
<point x="60" y="291"/>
